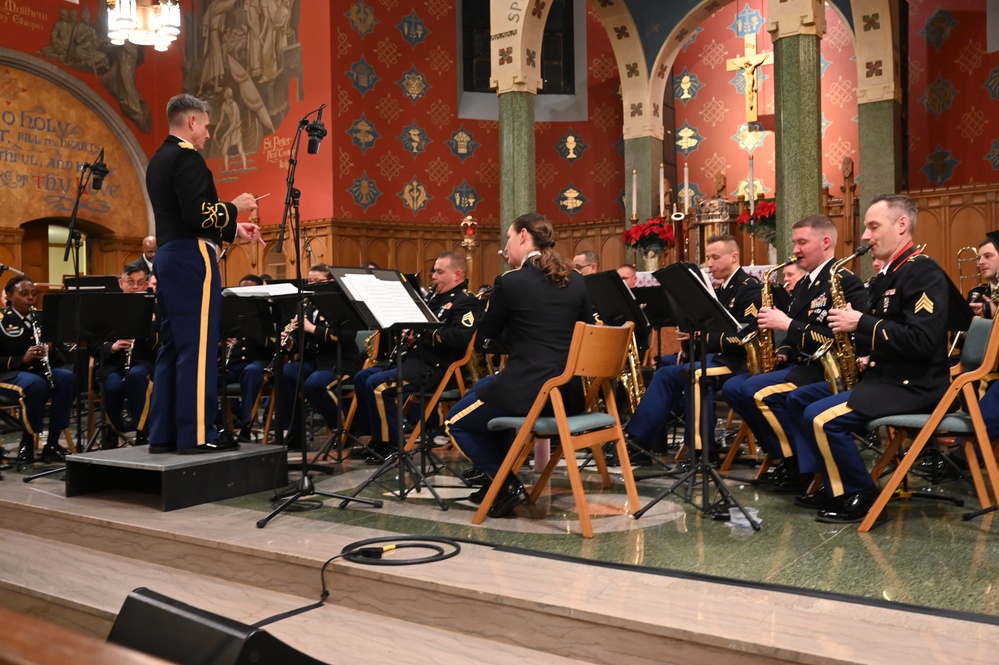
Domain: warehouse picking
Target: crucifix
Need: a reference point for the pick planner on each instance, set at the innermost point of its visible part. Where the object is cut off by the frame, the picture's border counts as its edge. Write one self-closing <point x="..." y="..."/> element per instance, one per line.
<point x="749" y="63"/>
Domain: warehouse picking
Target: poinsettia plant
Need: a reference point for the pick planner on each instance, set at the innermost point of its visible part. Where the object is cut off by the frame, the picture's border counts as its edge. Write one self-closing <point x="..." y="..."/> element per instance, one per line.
<point x="654" y="235"/>
<point x="762" y="223"/>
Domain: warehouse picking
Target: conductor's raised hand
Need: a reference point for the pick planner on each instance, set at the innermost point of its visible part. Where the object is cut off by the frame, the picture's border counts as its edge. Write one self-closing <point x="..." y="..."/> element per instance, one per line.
<point x="245" y="202"/>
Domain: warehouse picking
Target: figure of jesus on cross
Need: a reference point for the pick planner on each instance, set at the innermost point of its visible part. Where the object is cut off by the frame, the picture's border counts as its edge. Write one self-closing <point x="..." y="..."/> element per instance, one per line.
<point x="749" y="63"/>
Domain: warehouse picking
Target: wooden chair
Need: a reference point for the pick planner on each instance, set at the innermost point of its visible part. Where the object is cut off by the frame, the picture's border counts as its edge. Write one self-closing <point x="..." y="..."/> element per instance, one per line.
<point x="598" y="352"/>
<point x="979" y="357"/>
<point x="442" y="394"/>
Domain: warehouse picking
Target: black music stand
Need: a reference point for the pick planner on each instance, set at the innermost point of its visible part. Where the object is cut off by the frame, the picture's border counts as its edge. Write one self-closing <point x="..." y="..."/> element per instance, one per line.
<point x="615" y="304"/>
<point x="698" y="311"/>
<point x="305" y="487"/>
<point x="246" y="317"/>
<point x="102" y="317"/>
<point x="386" y="300"/>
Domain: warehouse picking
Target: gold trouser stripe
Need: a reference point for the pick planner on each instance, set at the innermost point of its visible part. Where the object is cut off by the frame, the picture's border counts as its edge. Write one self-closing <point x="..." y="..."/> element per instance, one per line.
<point x="145" y="407"/>
<point x="206" y="294"/>
<point x="835" y="482"/>
<point x="380" y="404"/>
<point x="711" y="371"/>
<point x="785" y="445"/>
<point x="458" y="416"/>
<point x="24" y="407"/>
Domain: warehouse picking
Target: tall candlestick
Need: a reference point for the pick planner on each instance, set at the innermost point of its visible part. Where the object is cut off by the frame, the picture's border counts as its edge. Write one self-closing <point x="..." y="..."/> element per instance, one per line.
<point x="662" y="189"/>
<point x="634" y="193"/>
<point x="752" y="187"/>
<point x="686" y="188"/>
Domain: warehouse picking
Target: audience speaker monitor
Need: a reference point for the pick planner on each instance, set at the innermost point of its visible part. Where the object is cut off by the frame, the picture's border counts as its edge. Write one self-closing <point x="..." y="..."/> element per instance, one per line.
<point x="174" y="631"/>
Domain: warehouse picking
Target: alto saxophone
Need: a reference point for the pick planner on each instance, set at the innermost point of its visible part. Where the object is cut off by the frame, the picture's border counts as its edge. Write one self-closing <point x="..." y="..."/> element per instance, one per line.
<point x="37" y="334"/>
<point x="766" y="338"/>
<point x="838" y="356"/>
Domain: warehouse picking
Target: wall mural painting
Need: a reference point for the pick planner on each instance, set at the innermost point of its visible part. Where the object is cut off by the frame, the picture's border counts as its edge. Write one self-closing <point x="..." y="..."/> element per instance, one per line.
<point x="80" y="42"/>
<point x="241" y="56"/>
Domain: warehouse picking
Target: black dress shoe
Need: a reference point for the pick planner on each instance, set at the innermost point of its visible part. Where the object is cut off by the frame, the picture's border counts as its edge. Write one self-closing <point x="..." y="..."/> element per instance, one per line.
<point x="475" y="477"/>
<point x="786" y="467"/>
<point x="218" y="446"/>
<point x="161" y="448"/>
<point x="510" y="496"/>
<point x="792" y="484"/>
<point x="53" y="452"/>
<point x="479" y="495"/>
<point x="245" y="434"/>
<point x="378" y="452"/>
<point x="140" y="439"/>
<point x="849" y="508"/>
<point x="818" y="500"/>
<point x="109" y="439"/>
<point x="26" y="453"/>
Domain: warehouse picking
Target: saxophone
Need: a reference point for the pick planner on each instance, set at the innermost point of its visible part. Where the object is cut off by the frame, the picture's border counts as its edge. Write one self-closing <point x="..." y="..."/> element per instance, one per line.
<point x="766" y="337"/>
<point x="838" y="356"/>
<point x="37" y="334"/>
<point x="631" y="378"/>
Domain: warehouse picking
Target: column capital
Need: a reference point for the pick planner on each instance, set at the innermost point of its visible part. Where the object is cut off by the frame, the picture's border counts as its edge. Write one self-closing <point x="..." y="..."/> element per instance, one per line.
<point x="796" y="17"/>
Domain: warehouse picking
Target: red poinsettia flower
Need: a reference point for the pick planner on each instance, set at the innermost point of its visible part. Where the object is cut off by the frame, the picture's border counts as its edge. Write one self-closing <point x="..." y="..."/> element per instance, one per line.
<point x="656" y="234"/>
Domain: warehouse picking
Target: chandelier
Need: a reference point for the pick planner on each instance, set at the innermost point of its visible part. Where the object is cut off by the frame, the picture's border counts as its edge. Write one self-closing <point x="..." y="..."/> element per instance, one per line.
<point x="144" y="22"/>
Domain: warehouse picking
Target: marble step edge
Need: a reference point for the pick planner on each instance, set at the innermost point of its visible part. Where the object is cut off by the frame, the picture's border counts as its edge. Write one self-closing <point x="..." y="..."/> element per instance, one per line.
<point x="88" y="596"/>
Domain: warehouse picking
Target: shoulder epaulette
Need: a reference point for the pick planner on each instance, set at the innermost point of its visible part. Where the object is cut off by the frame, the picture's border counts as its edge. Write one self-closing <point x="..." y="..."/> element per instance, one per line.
<point x="185" y="144"/>
<point x="511" y="270"/>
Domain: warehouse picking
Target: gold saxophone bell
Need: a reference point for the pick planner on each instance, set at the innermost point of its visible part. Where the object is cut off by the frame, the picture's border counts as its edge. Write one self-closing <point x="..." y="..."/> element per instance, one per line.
<point x="838" y="355"/>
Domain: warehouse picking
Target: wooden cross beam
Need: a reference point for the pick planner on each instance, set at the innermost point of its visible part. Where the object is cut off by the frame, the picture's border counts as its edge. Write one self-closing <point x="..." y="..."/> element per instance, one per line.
<point x="749" y="63"/>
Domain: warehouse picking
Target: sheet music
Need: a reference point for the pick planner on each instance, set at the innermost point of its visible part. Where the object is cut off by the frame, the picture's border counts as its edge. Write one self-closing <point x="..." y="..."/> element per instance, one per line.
<point x="265" y="290"/>
<point x="388" y="301"/>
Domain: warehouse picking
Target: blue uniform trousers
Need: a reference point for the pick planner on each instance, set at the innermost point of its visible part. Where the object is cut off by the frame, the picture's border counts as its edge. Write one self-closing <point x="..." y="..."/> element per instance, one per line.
<point x="761" y="401"/>
<point x="134" y="390"/>
<point x="467" y="426"/>
<point x="990" y="410"/>
<point x="185" y="393"/>
<point x="32" y="391"/>
<point x="377" y="411"/>
<point x="251" y="378"/>
<point x="827" y="446"/>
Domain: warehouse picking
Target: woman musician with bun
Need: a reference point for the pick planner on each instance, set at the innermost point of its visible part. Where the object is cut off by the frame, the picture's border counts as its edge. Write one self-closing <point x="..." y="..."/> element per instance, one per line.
<point x="533" y="309"/>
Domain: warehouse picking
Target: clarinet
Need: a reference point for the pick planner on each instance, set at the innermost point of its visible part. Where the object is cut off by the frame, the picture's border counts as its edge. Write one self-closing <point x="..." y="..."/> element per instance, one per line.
<point x="46" y="365"/>
<point x="128" y="360"/>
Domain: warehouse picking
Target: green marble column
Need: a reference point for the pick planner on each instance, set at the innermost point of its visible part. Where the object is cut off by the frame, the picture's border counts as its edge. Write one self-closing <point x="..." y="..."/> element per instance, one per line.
<point x="518" y="194"/>
<point x="880" y="150"/>
<point x="798" y="133"/>
<point x="643" y="154"/>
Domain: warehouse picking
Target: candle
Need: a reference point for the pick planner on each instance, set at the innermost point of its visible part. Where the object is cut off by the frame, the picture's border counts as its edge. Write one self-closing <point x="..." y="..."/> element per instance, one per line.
<point x="752" y="187"/>
<point x="662" y="188"/>
<point x="634" y="193"/>
<point x="686" y="188"/>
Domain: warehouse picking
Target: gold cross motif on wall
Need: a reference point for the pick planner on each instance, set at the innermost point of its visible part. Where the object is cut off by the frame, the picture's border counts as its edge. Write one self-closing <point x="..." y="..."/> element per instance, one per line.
<point x="749" y="63"/>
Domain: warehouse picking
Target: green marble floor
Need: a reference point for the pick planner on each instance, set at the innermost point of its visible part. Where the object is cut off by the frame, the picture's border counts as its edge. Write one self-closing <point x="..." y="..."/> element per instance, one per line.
<point x="922" y="555"/>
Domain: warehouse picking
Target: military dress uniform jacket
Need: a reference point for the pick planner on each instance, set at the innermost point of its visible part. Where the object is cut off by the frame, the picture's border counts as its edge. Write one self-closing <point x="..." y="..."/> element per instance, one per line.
<point x="16" y="337"/>
<point x="534" y="318"/>
<point x="810" y="305"/>
<point x="182" y="192"/>
<point x="905" y="333"/>
<point x="741" y="297"/>
<point x="459" y="310"/>
<point x="321" y="345"/>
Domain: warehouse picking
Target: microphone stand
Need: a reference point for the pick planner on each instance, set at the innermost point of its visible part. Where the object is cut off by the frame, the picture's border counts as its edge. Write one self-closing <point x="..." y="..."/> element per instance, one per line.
<point x="305" y="486"/>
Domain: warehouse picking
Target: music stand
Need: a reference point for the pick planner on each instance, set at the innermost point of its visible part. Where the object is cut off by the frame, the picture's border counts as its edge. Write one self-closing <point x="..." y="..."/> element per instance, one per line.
<point x="305" y="487"/>
<point x="244" y="316"/>
<point x="655" y="304"/>
<point x="102" y="317"/>
<point x="698" y="311"/>
<point x="107" y="283"/>
<point x="386" y="300"/>
<point x="615" y="304"/>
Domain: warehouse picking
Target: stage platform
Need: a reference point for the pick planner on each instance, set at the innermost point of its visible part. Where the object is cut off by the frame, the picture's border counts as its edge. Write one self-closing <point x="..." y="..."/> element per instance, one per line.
<point x="180" y="481"/>
<point x="73" y="560"/>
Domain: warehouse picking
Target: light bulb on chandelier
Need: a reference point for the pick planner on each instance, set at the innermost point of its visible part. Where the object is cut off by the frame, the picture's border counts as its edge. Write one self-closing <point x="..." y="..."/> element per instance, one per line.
<point x="144" y="22"/>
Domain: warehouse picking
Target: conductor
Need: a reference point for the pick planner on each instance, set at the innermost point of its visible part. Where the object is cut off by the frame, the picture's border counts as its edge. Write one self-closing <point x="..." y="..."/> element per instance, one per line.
<point x="191" y="223"/>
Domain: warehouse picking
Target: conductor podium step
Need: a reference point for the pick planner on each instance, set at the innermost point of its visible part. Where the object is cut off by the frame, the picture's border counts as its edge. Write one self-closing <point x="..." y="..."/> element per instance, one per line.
<point x="179" y="480"/>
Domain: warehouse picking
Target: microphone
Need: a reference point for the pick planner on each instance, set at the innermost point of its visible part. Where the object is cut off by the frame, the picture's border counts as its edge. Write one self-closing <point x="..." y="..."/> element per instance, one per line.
<point x="99" y="170"/>
<point x="317" y="132"/>
<point x="4" y="268"/>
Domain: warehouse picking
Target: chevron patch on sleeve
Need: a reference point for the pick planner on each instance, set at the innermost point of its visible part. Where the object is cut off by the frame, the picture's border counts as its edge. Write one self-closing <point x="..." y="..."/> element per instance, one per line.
<point x="924" y="304"/>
